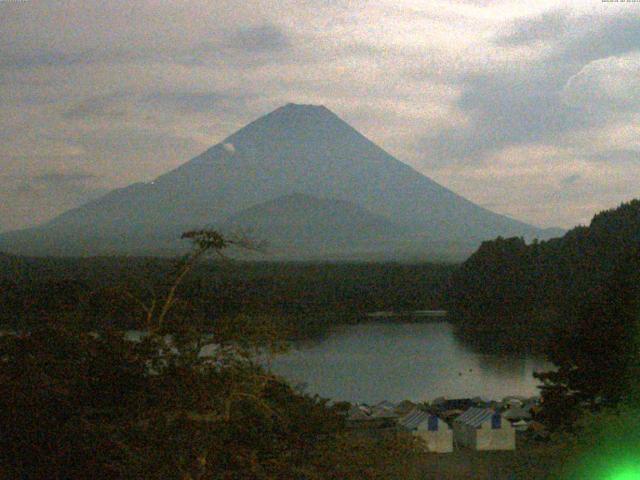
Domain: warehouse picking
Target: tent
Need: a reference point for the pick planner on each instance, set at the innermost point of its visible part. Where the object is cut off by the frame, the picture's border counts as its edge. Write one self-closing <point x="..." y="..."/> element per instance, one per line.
<point x="435" y="432"/>
<point x="483" y="429"/>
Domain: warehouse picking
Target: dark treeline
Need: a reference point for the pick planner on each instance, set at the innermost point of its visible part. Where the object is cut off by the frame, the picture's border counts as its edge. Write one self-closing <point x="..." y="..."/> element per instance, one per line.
<point x="308" y="297"/>
<point x="78" y="404"/>
<point x="576" y="298"/>
<point x="523" y="295"/>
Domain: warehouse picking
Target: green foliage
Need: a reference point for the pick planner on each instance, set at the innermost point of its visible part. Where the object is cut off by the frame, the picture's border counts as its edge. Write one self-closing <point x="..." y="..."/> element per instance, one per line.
<point x="577" y="298"/>
<point x="597" y="358"/>
<point x="176" y="403"/>
<point x="206" y="240"/>
<point x="305" y="298"/>
<point x="510" y="285"/>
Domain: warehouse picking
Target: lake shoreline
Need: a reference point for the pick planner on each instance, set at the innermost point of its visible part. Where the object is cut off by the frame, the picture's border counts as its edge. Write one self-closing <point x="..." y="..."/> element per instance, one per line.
<point x="375" y="361"/>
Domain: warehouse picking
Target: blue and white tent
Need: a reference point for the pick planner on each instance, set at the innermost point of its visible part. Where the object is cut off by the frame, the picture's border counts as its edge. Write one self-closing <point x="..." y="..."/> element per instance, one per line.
<point x="414" y="418"/>
<point x="437" y="435"/>
<point x="476" y="416"/>
<point x="483" y="429"/>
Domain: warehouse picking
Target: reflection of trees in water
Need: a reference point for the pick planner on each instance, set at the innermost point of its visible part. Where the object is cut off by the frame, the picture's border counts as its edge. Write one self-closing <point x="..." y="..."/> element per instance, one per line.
<point x="500" y="354"/>
<point x="494" y="342"/>
<point x="375" y="360"/>
<point x="507" y="366"/>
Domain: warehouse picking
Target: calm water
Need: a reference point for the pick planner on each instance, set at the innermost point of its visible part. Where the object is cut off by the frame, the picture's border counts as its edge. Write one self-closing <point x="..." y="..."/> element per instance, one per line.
<point x="417" y="361"/>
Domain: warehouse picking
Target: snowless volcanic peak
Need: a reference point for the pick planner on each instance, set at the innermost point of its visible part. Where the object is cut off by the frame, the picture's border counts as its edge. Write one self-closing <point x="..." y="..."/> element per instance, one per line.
<point x="296" y="149"/>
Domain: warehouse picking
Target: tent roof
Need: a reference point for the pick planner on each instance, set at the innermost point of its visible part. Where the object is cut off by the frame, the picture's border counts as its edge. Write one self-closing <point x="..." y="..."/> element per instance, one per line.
<point x="418" y="419"/>
<point x="475" y="416"/>
<point x="413" y="419"/>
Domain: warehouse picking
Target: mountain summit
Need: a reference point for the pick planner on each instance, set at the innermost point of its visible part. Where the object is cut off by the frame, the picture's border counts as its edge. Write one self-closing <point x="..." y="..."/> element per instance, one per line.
<point x="296" y="149"/>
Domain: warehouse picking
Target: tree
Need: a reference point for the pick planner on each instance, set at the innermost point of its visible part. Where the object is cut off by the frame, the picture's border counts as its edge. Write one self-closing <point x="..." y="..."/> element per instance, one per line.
<point x="597" y="360"/>
<point x="177" y="403"/>
<point x="80" y="404"/>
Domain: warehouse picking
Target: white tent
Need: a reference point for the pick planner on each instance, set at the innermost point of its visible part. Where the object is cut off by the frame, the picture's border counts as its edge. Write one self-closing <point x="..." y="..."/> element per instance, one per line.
<point x="435" y="432"/>
<point x="483" y="429"/>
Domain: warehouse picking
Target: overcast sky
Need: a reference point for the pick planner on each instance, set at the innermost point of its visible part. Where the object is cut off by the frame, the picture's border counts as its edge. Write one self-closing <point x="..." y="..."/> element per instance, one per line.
<point x="530" y="108"/>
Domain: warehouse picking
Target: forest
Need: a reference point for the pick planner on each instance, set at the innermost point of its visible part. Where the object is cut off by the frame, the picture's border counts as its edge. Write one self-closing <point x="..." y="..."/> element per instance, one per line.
<point x="80" y="404"/>
<point x="520" y="296"/>
<point x="306" y="298"/>
<point x="577" y="300"/>
<point x="80" y="400"/>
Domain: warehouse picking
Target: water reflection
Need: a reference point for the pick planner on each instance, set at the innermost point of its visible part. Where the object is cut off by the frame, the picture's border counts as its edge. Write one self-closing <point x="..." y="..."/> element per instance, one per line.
<point x="418" y="361"/>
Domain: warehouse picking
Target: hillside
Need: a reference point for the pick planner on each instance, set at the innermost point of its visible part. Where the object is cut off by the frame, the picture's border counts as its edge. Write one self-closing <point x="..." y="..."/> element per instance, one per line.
<point x="295" y="149"/>
<point x="524" y="295"/>
<point x="305" y="226"/>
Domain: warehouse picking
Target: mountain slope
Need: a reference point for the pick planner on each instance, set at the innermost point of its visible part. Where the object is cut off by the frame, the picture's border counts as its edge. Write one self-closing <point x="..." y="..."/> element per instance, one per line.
<point x="305" y="226"/>
<point x="296" y="148"/>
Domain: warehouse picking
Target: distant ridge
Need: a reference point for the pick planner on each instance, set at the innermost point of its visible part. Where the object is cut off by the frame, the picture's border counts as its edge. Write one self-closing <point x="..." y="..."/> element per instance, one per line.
<point x="296" y="149"/>
<point x="302" y="226"/>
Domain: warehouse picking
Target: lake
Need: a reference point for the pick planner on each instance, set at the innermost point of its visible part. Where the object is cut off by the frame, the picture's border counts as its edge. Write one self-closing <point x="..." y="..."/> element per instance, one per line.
<point x="376" y="361"/>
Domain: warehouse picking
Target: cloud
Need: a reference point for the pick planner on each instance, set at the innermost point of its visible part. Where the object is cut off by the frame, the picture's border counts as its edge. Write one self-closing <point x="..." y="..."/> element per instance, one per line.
<point x="488" y="98"/>
<point x="122" y="153"/>
<point x="504" y="107"/>
<point x="570" y="179"/>
<point x="546" y="26"/>
<point x="22" y="59"/>
<point x="262" y="38"/>
<point x="196" y="102"/>
<point x="618" y="156"/>
<point x="592" y="38"/>
<point x="606" y="86"/>
<point x="26" y="200"/>
<point x="69" y="182"/>
<point x="587" y="69"/>
<point x="60" y="178"/>
<point x="100" y="105"/>
<point x="248" y="46"/>
<point x="575" y="38"/>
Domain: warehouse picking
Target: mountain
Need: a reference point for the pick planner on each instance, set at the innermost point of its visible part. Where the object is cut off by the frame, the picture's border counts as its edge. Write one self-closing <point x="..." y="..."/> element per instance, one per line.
<point x="300" y="149"/>
<point x="309" y="227"/>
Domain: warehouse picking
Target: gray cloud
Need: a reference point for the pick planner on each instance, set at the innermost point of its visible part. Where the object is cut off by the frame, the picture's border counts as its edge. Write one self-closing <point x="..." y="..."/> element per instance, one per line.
<point x="599" y="38"/>
<point x="526" y="102"/>
<point x="121" y="104"/>
<point x="101" y="105"/>
<point x="621" y="156"/>
<point x="12" y="56"/>
<point x="263" y="38"/>
<point x="255" y="45"/>
<point x="28" y="199"/>
<point x="576" y="38"/>
<point x="70" y="181"/>
<point x="454" y="88"/>
<point x="197" y="102"/>
<point x="123" y="153"/>
<point x="506" y="107"/>
<point x="60" y="178"/>
<point x="548" y="25"/>
<point x="570" y="179"/>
